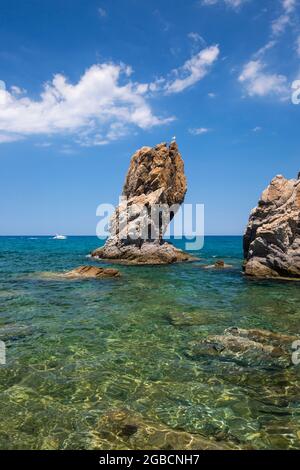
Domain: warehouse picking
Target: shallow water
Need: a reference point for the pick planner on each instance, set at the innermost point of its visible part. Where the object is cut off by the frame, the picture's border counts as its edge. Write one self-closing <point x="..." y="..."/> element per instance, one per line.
<point x="80" y="349"/>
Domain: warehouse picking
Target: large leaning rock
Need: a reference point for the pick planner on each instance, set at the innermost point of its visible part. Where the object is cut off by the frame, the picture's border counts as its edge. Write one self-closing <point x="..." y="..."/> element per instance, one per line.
<point x="155" y="182"/>
<point x="272" y="236"/>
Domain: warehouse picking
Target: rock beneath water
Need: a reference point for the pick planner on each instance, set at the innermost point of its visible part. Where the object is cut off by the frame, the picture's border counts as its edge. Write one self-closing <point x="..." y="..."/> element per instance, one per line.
<point x="264" y="336"/>
<point x="131" y="431"/>
<point x="154" y="189"/>
<point x="254" y="347"/>
<point x="91" y="272"/>
<point x="220" y="264"/>
<point x="13" y="331"/>
<point x="272" y="236"/>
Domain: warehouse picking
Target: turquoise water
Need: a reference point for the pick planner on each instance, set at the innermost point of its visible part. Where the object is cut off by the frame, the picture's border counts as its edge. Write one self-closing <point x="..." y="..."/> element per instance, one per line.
<point x="77" y="350"/>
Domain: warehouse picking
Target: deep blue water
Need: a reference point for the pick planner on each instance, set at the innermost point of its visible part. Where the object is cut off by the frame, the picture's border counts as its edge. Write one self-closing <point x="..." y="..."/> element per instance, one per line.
<point x="82" y="348"/>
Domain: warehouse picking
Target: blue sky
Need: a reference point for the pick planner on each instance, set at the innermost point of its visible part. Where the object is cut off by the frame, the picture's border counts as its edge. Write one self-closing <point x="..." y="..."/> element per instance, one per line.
<point x="85" y="84"/>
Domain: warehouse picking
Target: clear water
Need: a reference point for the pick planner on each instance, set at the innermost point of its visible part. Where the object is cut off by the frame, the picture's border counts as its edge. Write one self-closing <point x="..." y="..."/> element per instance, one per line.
<point x="90" y="347"/>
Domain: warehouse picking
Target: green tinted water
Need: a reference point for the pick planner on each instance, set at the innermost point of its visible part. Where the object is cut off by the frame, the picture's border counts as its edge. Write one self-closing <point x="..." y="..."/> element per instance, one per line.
<point x="81" y="349"/>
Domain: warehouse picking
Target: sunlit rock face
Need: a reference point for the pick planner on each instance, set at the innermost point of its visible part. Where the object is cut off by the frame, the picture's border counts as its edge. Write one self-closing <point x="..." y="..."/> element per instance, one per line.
<point x="154" y="189"/>
<point x="272" y="236"/>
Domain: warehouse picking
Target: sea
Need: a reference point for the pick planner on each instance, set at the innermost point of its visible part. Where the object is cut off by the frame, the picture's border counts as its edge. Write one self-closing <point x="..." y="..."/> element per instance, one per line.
<point x="78" y="351"/>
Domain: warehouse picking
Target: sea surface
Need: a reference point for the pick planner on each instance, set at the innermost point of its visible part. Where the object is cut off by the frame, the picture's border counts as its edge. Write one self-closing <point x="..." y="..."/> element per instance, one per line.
<point x="80" y="350"/>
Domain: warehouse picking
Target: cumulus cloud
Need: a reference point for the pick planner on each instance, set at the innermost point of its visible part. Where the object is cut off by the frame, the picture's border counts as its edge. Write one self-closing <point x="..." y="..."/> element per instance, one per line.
<point x="99" y="108"/>
<point x="192" y="70"/>
<point x="259" y="82"/>
<point x="104" y="105"/>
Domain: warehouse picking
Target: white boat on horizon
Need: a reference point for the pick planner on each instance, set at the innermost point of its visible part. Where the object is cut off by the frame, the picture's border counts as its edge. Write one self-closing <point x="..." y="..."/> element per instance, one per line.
<point x="59" y="237"/>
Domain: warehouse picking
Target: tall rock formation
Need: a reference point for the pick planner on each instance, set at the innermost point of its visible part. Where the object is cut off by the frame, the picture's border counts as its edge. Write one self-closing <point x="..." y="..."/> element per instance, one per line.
<point x="272" y="236"/>
<point x="154" y="183"/>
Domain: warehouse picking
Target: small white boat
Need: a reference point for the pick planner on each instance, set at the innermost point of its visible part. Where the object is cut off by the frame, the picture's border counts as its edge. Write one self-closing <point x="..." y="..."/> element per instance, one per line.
<point x="59" y="237"/>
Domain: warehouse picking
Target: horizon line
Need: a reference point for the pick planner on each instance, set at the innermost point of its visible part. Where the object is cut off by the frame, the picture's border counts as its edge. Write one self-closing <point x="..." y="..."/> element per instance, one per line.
<point x="85" y="235"/>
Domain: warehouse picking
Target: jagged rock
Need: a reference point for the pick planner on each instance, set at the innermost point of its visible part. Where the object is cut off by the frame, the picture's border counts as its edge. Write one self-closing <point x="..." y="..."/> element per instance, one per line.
<point x="91" y="272"/>
<point x="155" y="182"/>
<point x="272" y="236"/>
<point x="254" y="347"/>
<point x="131" y="431"/>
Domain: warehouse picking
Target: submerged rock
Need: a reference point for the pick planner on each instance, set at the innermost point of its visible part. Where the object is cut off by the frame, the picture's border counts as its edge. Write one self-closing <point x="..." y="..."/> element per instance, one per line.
<point x="13" y="331"/>
<point x="264" y="336"/>
<point x="254" y="347"/>
<point x="134" y="432"/>
<point x="155" y="186"/>
<point x="272" y="236"/>
<point x="220" y="264"/>
<point x="91" y="272"/>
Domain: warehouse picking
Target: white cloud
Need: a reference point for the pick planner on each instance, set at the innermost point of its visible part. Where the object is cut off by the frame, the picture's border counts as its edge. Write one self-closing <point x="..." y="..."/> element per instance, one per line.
<point x="258" y="82"/>
<point x="254" y="76"/>
<point x="196" y="38"/>
<point x="257" y="129"/>
<point x="199" y="130"/>
<point x="99" y="108"/>
<point x="193" y="70"/>
<point x="235" y="3"/>
<point x="103" y="106"/>
<point x="289" y="5"/>
<point x="230" y="3"/>
<point x="261" y="52"/>
<point x="279" y="24"/>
